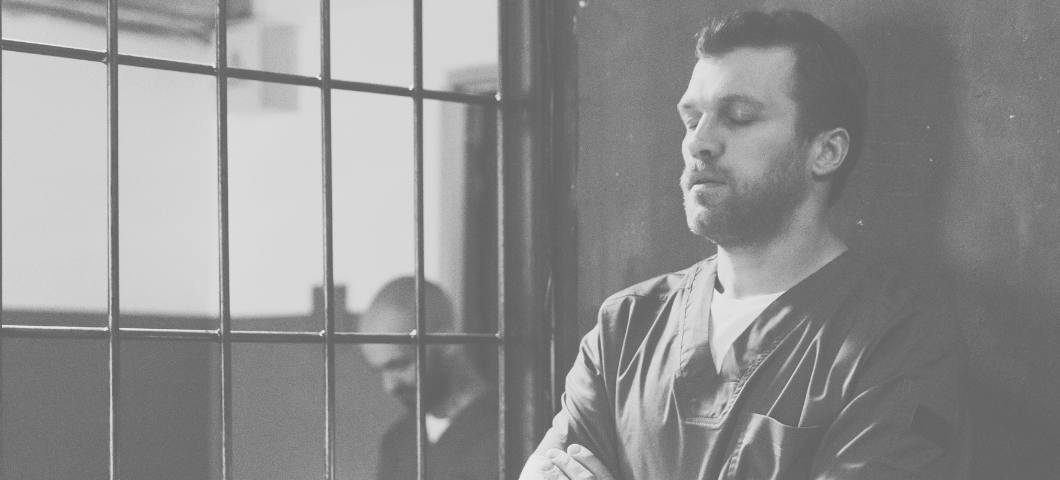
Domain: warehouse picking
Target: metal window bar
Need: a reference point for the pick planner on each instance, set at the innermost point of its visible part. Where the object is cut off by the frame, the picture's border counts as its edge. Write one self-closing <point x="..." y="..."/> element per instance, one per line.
<point x="1" y="249"/>
<point x="114" y="333"/>
<point x="125" y="59"/>
<point x="329" y="254"/>
<point x="421" y="314"/>
<point x="225" y="332"/>
<point x="502" y="304"/>
<point x="113" y="280"/>
<point x="247" y="336"/>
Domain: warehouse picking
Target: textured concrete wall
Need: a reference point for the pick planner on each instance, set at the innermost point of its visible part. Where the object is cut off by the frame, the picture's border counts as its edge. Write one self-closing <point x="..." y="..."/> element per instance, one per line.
<point x="959" y="184"/>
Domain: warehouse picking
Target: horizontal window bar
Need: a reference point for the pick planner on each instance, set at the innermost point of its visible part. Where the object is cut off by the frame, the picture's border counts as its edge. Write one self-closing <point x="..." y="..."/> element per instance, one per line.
<point x="286" y="78"/>
<point x="430" y="338"/>
<point x="245" y="336"/>
<point x="370" y="88"/>
<point x="460" y="97"/>
<point x="240" y="73"/>
<point x="253" y="336"/>
<point x="53" y="50"/>
<point x="33" y="331"/>
<point x="168" y="334"/>
<point x="273" y="77"/>
<point x="163" y="64"/>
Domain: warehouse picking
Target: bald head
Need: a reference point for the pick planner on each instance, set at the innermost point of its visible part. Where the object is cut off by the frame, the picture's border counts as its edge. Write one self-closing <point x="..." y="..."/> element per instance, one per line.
<point x="393" y="309"/>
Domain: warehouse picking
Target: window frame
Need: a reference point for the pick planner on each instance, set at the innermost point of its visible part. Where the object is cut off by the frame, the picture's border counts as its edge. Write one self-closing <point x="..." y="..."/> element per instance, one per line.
<point x="536" y="107"/>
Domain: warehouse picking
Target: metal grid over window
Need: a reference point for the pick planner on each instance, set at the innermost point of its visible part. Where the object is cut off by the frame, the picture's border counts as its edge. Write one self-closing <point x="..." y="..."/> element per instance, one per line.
<point x="527" y="302"/>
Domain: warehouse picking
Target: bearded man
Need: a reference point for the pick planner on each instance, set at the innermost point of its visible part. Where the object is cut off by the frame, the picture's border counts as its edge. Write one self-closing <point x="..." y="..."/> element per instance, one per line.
<point x="461" y="410"/>
<point x="782" y="356"/>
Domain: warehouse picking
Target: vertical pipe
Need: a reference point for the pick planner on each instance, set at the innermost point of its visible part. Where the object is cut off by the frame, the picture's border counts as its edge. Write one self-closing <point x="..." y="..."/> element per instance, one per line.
<point x="561" y="120"/>
<point x="536" y="148"/>
<point x="526" y="160"/>
<point x="329" y="253"/>
<point x="113" y="312"/>
<point x="221" y="60"/>
<point x="421" y="317"/>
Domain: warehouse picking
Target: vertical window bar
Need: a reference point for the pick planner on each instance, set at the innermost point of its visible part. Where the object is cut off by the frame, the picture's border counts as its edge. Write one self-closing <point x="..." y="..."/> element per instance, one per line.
<point x="502" y="405"/>
<point x="113" y="313"/>
<point x="221" y="59"/>
<point x="329" y="257"/>
<point x="1" y="247"/>
<point x="502" y="387"/>
<point x="421" y="318"/>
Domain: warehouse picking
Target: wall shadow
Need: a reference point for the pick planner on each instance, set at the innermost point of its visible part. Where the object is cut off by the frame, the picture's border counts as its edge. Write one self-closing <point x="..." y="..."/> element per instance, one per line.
<point x="899" y="211"/>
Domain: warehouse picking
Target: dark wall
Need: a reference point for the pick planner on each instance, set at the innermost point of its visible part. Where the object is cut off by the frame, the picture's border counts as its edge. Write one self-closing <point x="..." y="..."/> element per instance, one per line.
<point x="55" y="422"/>
<point x="959" y="185"/>
<point x="55" y="402"/>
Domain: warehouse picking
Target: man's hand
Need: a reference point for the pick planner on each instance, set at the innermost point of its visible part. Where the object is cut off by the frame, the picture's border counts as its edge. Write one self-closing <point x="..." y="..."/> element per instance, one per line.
<point x="577" y="463"/>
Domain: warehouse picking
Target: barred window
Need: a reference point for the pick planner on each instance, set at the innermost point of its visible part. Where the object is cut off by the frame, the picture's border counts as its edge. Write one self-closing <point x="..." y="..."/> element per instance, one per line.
<point x="200" y="199"/>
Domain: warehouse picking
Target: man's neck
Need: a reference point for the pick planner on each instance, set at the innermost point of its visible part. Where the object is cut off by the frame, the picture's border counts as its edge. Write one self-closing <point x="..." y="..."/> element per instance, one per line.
<point x="778" y="264"/>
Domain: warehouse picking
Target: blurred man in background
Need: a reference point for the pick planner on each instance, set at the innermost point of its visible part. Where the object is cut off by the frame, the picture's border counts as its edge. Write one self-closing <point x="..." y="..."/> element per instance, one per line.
<point x="461" y="410"/>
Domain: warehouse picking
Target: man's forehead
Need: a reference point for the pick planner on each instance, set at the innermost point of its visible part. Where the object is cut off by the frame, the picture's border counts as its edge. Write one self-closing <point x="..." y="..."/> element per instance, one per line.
<point x="744" y="74"/>
<point x="383" y="355"/>
<point x="388" y="319"/>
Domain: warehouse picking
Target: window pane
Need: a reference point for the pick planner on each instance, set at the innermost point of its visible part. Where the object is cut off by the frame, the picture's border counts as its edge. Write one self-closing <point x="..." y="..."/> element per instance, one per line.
<point x="460" y="207"/>
<point x="378" y="434"/>
<point x="371" y="41"/>
<point x="54" y="187"/>
<point x="364" y="413"/>
<point x="277" y="36"/>
<point x="276" y="210"/>
<point x="55" y="405"/>
<point x="70" y="24"/>
<point x="458" y="36"/>
<point x="168" y="197"/>
<point x="168" y="391"/>
<point x="278" y="411"/>
<point x="372" y="178"/>
<point x="172" y="30"/>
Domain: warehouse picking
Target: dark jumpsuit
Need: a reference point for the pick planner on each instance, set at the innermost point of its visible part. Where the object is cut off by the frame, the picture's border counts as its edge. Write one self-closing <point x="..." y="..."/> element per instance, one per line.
<point x="467" y="450"/>
<point x="850" y="374"/>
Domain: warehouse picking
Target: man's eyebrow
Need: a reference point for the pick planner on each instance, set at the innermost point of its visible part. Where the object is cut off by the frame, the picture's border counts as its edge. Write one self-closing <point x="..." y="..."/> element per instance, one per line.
<point x="685" y="106"/>
<point x="740" y="98"/>
<point x="398" y="362"/>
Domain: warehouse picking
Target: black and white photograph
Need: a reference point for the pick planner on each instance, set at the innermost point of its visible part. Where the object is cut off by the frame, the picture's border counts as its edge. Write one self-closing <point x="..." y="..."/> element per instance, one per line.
<point x="529" y="239"/>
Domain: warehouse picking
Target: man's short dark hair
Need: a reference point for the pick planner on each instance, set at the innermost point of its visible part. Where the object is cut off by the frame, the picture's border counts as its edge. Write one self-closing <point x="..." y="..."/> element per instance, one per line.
<point x="830" y="88"/>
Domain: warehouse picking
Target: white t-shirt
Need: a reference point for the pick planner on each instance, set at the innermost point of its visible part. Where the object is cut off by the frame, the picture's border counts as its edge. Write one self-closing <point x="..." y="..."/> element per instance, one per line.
<point x="435" y="427"/>
<point x="729" y="317"/>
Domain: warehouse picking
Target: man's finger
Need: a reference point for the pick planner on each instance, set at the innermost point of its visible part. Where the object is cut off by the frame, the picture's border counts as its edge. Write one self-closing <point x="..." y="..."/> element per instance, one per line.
<point x="541" y="468"/>
<point x="586" y="458"/>
<point x="550" y="471"/>
<point x="569" y="466"/>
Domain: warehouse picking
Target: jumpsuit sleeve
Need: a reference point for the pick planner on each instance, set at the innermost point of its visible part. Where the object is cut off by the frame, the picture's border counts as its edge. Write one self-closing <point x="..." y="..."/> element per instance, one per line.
<point x="906" y="415"/>
<point x="586" y="417"/>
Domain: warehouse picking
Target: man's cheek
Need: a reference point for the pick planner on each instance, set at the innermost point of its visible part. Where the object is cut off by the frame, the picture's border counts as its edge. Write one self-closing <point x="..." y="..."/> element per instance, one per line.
<point x="407" y="399"/>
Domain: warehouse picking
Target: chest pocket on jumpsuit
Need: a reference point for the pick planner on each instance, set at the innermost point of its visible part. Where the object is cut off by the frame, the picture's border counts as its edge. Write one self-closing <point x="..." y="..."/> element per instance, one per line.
<point x="769" y="450"/>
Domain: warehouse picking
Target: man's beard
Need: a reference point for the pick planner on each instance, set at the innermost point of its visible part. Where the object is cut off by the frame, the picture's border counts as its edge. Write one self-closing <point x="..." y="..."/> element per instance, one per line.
<point x="752" y="212"/>
<point x="436" y="385"/>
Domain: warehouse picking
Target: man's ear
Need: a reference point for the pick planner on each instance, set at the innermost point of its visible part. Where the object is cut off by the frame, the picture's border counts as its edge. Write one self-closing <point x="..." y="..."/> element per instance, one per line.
<point x="829" y="149"/>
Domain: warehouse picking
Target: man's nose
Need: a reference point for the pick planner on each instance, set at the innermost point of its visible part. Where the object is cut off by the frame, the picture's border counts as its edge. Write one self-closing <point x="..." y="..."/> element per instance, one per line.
<point x="704" y="143"/>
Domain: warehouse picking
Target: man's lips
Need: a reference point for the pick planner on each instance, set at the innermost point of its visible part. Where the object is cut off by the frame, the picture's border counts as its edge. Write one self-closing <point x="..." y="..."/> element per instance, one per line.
<point x="704" y="180"/>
